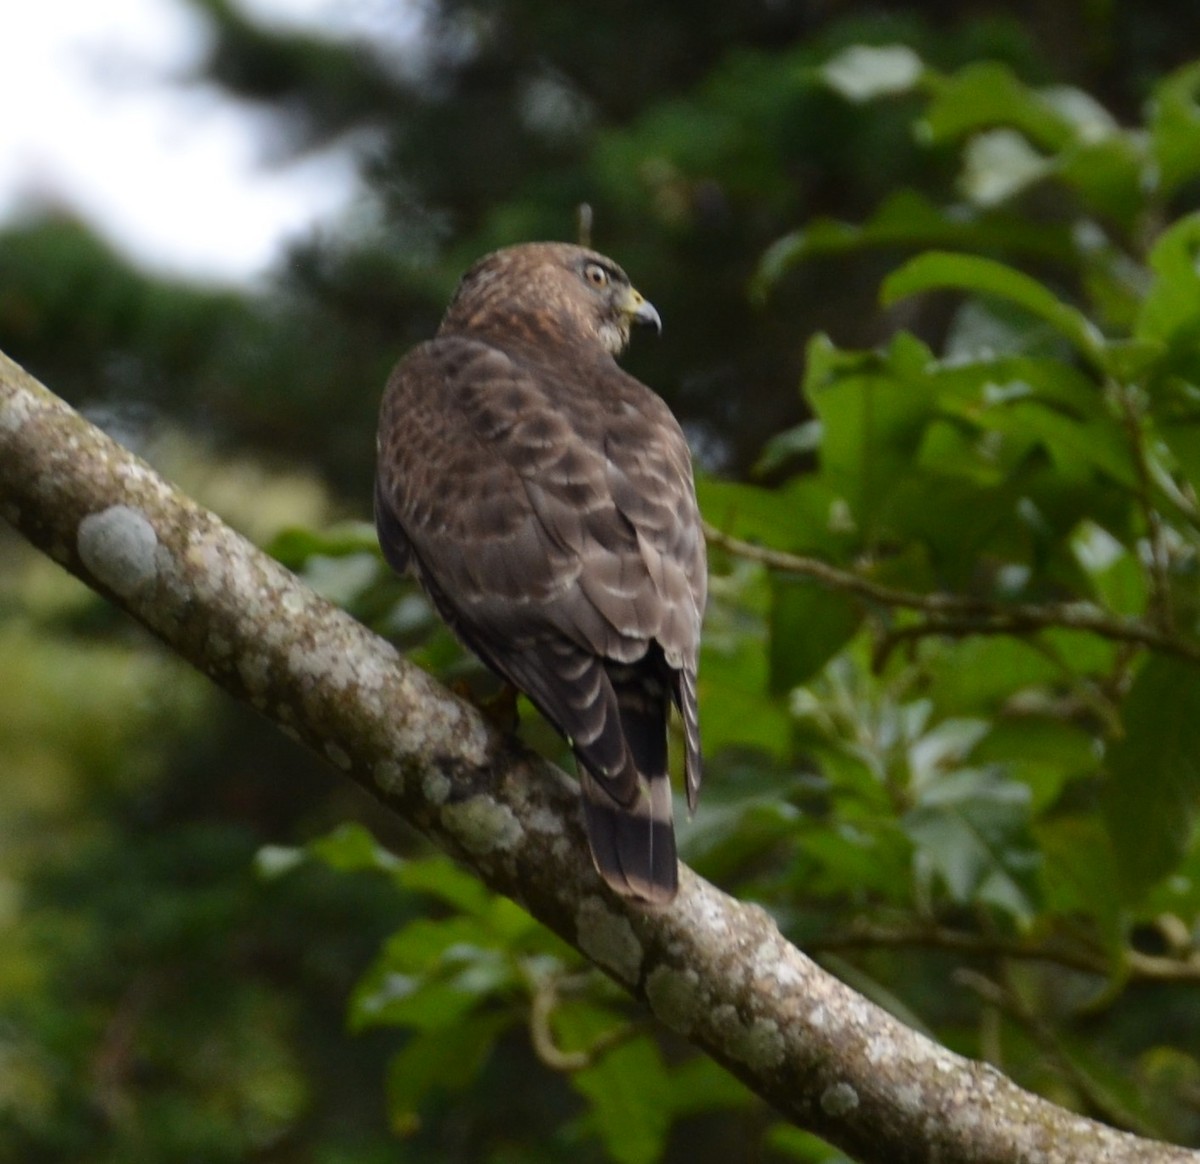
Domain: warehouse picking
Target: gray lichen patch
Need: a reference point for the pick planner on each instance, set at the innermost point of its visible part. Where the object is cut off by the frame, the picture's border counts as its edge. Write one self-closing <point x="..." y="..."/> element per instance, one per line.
<point x="15" y="410"/>
<point x="338" y="756"/>
<point x="881" y="1049"/>
<point x="483" y="825"/>
<point x="451" y="728"/>
<point x="676" y="998"/>
<point x="608" y="939"/>
<point x="709" y="913"/>
<point x="763" y="1045"/>
<point x="436" y="786"/>
<point x="759" y="1044"/>
<point x="219" y="565"/>
<point x="910" y="1098"/>
<point x="118" y="546"/>
<point x="820" y="1017"/>
<point x="325" y="663"/>
<point x="293" y="602"/>
<point x="254" y="668"/>
<point x="219" y="646"/>
<point x="543" y="820"/>
<point x="774" y="961"/>
<point x="839" y="1099"/>
<point x="389" y="777"/>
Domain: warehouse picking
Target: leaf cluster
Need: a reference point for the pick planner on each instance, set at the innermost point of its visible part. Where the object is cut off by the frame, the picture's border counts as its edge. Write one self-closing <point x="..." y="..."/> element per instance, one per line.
<point x="949" y="680"/>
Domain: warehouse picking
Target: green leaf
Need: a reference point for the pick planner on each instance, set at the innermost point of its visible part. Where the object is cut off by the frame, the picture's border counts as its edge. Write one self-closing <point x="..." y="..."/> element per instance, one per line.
<point x="945" y="270"/>
<point x="630" y="1097"/>
<point x="951" y="449"/>
<point x="395" y="999"/>
<point x="729" y="834"/>
<point x="1114" y="570"/>
<point x="748" y="512"/>
<point x="700" y="1085"/>
<point x="1042" y="751"/>
<point x="862" y="72"/>
<point x="432" y="972"/>
<point x="1183" y="440"/>
<point x="1171" y="311"/>
<point x="975" y="380"/>
<point x="1175" y="130"/>
<point x="810" y="623"/>
<point x="446" y="1058"/>
<point x="908" y="219"/>
<point x="1108" y="176"/>
<point x="351" y="848"/>
<point x="873" y="410"/>
<point x="441" y="878"/>
<point x="868" y="860"/>
<point x="1089" y="654"/>
<point x="980" y="675"/>
<point x="1080" y="876"/>
<point x="421" y="945"/>
<point x="999" y="164"/>
<point x="1077" y="447"/>
<point x="985" y="95"/>
<point x="1079" y="109"/>
<point x="971" y="830"/>
<point x="782" y="449"/>
<point x="578" y="1022"/>
<point x="790" y="517"/>
<point x="738" y="711"/>
<point x="1177" y="896"/>
<point x="805" y="1147"/>
<point x="1153" y="789"/>
<point x="295" y="545"/>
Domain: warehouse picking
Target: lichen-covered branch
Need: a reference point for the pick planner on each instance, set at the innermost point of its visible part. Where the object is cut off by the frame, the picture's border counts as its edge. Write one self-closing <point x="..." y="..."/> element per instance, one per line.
<point x="714" y="969"/>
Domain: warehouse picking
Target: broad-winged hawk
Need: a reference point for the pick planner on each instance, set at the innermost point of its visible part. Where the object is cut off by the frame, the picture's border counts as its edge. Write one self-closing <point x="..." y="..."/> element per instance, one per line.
<point x="544" y="500"/>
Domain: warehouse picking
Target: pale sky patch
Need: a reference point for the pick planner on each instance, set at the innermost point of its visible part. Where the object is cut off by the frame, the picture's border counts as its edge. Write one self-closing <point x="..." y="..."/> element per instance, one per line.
<point x="177" y="175"/>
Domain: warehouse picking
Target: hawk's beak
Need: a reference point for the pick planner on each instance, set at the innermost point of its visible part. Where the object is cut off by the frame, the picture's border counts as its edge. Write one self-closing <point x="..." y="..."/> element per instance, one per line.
<point x="640" y="310"/>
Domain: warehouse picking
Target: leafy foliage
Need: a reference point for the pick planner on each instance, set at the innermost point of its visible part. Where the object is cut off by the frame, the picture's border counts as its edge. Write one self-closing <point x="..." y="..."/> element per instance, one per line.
<point x="950" y="656"/>
<point x="951" y="661"/>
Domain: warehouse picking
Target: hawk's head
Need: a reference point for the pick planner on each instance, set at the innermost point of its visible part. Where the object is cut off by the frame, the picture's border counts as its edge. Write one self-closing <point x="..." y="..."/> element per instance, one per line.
<point x="551" y="288"/>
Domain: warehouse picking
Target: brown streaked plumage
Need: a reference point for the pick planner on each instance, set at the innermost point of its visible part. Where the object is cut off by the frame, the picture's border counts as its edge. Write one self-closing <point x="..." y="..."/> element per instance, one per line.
<point x="544" y="500"/>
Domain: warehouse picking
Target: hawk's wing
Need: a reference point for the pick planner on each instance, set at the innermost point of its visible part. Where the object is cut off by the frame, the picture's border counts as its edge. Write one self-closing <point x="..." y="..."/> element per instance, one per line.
<point x="554" y="526"/>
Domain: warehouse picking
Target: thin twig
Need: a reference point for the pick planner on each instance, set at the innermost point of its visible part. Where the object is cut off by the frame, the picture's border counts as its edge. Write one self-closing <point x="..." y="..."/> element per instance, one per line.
<point x="1149" y="967"/>
<point x="543" y="1003"/>
<point x="1099" y="1099"/>
<point x="1160" y="590"/>
<point x="963" y="615"/>
<point x="959" y="941"/>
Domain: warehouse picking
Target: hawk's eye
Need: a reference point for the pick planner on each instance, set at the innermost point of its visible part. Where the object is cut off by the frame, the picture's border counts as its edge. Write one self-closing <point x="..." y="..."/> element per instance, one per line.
<point x="596" y="275"/>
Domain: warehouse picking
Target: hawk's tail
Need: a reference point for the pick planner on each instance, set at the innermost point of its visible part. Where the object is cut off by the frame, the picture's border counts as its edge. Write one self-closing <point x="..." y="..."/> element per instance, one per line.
<point x="633" y="848"/>
<point x="633" y="845"/>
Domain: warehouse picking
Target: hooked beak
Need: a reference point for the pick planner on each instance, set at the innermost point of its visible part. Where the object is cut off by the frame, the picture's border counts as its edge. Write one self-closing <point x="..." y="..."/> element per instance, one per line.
<point x="640" y="310"/>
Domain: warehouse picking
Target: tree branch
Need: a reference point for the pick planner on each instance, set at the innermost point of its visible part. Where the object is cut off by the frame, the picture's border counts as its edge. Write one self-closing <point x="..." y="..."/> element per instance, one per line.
<point x="1004" y="998"/>
<point x="713" y="969"/>
<point x="955" y="614"/>
<point x="1182" y="967"/>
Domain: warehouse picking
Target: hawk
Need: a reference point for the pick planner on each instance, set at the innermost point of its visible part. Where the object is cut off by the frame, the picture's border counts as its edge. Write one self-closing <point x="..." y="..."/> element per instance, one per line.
<point x="544" y="500"/>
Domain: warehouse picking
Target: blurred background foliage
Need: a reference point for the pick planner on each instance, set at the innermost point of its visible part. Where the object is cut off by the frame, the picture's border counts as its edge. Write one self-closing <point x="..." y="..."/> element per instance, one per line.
<point x="979" y="813"/>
